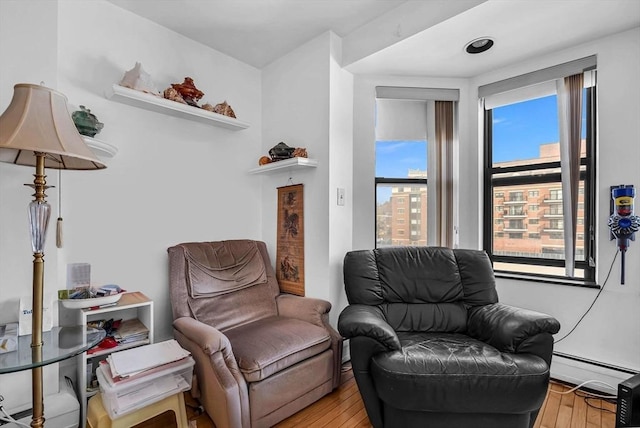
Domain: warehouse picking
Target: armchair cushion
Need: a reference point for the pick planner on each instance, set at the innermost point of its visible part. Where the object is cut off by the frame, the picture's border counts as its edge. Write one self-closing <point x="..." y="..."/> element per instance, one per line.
<point x="269" y="345"/>
<point x="447" y="366"/>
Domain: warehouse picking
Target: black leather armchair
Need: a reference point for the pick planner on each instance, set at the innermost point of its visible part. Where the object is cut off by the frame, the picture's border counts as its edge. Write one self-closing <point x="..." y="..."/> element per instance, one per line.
<point x="431" y="347"/>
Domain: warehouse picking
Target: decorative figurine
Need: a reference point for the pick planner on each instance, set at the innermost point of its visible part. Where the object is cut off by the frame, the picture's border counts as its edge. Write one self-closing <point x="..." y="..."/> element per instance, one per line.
<point x="281" y="151"/>
<point x="86" y="122"/>
<point x="173" y="95"/>
<point x="224" y="109"/>
<point x="140" y="80"/>
<point x="300" y="152"/>
<point x="264" y="160"/>
<point x="188" y="91"/>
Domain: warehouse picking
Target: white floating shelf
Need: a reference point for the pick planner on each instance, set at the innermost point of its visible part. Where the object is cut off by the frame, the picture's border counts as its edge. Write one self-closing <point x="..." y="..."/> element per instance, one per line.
<point x="172" y="108"/>
<point x="100" y="148"/>
<point x="293" y="163"/>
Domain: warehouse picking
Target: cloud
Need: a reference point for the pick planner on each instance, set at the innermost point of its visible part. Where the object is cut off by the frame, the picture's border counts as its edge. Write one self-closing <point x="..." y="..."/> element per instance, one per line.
<point x="497" y="120"/>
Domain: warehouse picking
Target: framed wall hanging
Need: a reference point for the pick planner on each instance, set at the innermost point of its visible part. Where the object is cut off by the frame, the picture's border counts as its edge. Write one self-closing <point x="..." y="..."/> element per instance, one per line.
<point x="290" y="242"/>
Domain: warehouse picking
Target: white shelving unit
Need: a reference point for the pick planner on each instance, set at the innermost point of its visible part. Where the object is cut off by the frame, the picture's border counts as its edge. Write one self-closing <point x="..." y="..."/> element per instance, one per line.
<point x="131" y="305"/>
<point x="172" y="108"/>
<point x="293" y="163"/>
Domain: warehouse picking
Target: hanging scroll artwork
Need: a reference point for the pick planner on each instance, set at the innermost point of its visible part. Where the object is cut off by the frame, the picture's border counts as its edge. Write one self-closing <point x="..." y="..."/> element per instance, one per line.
<point x="290" y="242"/>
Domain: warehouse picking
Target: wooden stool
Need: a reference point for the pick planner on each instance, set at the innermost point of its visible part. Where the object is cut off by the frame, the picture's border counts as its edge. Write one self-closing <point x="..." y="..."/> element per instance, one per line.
<point x="97" y="416"/>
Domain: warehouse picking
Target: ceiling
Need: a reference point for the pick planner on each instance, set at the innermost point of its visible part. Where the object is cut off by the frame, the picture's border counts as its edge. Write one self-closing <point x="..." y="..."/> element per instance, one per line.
<point x="403" y="37"/>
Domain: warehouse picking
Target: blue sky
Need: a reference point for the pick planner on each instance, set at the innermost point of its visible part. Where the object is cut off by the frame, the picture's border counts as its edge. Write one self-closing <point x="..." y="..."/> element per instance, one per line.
<point x="394" y="159"/>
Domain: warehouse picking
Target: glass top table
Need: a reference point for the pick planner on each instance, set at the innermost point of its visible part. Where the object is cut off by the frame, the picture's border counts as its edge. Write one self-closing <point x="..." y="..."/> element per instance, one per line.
<point x="59" y="344"/>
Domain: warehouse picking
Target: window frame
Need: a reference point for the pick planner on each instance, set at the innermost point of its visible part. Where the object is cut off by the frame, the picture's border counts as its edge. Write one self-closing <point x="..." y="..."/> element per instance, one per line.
<point x="588" y="176"/>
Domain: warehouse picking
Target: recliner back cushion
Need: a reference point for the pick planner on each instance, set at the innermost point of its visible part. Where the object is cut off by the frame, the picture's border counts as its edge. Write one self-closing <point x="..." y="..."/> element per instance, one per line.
<point x="420" y="288"/>
<point x="228" y="300"/>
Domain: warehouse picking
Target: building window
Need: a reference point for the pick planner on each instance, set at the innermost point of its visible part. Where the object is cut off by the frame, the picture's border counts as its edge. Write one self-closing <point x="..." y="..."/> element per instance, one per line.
<point x="400" y="200"/>
<point x="522" y="157"/>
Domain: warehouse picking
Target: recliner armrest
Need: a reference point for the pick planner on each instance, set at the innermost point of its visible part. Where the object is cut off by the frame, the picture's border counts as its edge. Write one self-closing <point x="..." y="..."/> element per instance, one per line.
<point x="210" y="339"/>
<point x="506" y="327"/>
<point x="304" y="308"/>
<point x="363" y="320"/>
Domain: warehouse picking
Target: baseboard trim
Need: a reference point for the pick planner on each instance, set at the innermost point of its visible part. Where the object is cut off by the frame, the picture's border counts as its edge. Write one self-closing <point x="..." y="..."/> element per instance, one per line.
<point x="576" y="370"/>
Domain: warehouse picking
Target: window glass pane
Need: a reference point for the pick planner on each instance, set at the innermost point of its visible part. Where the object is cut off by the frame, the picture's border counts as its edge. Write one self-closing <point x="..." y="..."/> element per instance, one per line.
<point x="533" y="211"/>
<point x="401" y="159"/>
<point x="396" y="225"/>
<point x="527" y="132"/>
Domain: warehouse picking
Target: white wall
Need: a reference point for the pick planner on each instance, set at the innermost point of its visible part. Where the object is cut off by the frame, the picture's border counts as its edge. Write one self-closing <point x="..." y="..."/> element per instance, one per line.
<point x="307" y="102"/>
<point x="340" y="175"/>
<point x="610" y="333"/>
<point x="173" y="180"/>
<point x="29" y="55"/>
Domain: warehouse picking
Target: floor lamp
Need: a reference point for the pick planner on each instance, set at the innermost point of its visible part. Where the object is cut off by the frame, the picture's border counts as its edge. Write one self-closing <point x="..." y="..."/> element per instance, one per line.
<point x="37" y="130"/>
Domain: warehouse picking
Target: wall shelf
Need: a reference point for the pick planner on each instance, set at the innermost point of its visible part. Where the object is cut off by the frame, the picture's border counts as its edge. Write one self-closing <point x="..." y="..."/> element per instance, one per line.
<point x="172" y="108"/>
<point x="293" y="163"/>
<point x="100" y="148"/>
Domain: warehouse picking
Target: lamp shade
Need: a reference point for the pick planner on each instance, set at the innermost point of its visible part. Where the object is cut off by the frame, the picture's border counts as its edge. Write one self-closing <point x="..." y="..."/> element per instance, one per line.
<point x="37" y="120"/>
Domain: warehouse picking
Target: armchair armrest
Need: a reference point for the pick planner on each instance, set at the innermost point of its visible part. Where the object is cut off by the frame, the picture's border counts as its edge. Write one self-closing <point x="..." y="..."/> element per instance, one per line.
<point x="210" y="339"/>
<point x="304" y="308"/>
<point x="368" y="321"/>
<point x="507" y="327"/>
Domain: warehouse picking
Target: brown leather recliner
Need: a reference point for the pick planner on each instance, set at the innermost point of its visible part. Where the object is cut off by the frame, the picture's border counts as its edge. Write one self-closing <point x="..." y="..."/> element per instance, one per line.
<point x="260" y="355"/>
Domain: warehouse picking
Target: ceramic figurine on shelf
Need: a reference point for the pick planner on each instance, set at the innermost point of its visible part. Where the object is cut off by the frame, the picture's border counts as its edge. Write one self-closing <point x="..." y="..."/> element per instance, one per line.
<point x="86" y="122"/>
<point x="223" y="108"/>
<point x="140" y="80"/>
<point x="281" y="151"/>
<point x="188" y="91"/>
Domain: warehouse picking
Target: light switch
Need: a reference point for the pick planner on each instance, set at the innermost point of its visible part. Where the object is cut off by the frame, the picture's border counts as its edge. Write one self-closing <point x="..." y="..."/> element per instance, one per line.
<point x="340" y="196"/>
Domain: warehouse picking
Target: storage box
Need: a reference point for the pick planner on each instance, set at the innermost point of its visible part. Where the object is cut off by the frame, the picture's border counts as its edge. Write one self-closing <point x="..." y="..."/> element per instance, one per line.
<point x="124" y="396"/>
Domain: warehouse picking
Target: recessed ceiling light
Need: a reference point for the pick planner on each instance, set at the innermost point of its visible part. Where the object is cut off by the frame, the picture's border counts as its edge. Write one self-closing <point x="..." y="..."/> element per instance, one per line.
<point x="479" y="45"/>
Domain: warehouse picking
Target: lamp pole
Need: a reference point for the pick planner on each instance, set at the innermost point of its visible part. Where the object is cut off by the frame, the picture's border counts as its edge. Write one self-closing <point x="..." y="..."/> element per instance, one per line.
<point x="39" y="213"/>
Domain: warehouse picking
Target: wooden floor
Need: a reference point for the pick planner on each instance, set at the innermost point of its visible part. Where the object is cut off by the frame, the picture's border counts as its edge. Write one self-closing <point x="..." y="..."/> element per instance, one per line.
<point x="343" y="408"/>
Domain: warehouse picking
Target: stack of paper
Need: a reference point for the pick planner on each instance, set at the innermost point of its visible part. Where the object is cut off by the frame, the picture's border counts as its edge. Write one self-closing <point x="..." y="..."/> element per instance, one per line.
<point x="136" y="361"/>
<point x="131" y="331"/>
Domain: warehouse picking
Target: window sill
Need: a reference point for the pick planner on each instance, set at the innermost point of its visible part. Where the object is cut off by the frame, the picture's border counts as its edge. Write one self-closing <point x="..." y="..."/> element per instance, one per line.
<point x="547" y="279"/>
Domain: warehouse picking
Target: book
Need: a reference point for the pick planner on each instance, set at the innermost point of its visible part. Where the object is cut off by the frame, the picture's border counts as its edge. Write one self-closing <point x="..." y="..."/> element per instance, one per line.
<point x="8" y="337"/>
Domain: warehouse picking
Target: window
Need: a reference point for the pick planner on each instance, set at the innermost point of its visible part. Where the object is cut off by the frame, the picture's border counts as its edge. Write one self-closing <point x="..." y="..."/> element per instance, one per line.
<point x="522" y="157"/>
<point x="415" y="132"/>
<point x="401" y="172"/>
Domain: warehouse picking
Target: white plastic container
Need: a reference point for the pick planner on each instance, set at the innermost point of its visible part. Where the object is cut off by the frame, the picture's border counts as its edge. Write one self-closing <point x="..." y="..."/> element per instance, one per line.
<point x="128" y="395"/>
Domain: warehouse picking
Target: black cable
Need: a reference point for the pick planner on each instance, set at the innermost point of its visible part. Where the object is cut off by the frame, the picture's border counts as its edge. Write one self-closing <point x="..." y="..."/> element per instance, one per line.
<point x="594" y="300"/>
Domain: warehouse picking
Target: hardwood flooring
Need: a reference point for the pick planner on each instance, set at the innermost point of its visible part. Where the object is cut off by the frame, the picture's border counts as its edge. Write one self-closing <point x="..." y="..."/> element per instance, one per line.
<point x="343" y="408"/>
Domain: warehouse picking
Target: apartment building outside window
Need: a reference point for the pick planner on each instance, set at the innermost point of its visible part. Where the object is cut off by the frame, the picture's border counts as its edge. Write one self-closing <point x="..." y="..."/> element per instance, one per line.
<point x="524" y="227"/>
